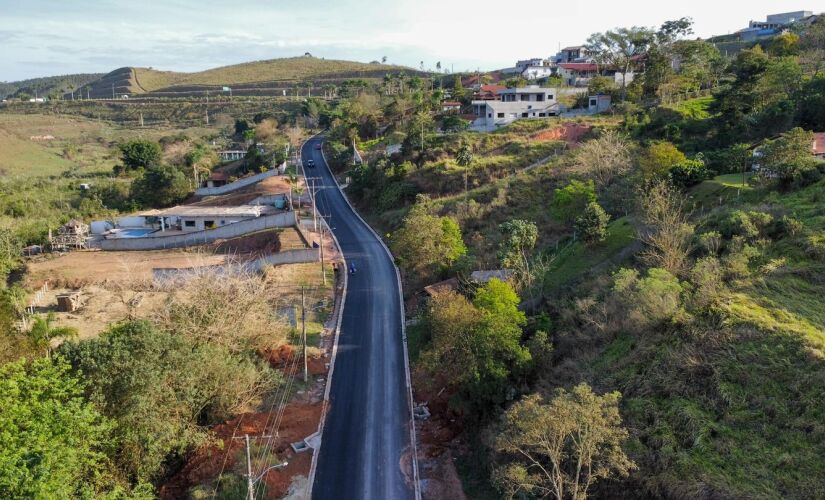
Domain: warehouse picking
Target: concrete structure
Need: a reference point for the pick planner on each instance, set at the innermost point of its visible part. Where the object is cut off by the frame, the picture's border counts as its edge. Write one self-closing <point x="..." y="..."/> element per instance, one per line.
<point x="158" y="240"/>
<point x="579" y="74"/>
<point x="598" y="103"/>
<point x="819" y="145"/>
<point x="488" y="92"/>
<point x="774" y="21"/>
<point x="240" y="183"/>
<point x="514" y="104"/>
<point x="530" y="63"/>
<point x="451" y="107"/>
<point x="538" y="72"/>
<point x="232" y="155"/>
<point x="190" y="218"/>
<point x="216" y="179"/>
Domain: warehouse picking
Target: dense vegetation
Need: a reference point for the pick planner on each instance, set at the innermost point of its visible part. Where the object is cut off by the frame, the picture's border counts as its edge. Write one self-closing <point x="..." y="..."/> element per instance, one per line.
<point x="670" y="266"/>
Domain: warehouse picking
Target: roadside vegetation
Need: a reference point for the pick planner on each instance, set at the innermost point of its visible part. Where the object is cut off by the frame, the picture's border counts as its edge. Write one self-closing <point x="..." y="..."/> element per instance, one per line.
<point x="668" y="277"/>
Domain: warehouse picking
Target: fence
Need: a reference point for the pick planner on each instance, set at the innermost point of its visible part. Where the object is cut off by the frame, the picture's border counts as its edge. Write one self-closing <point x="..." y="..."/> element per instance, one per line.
<point x="158" y="241"/>
<point x="240" y="183"/>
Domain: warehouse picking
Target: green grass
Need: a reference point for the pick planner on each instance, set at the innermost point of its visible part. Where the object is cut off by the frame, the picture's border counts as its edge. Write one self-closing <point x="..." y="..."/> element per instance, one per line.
<point x="288" y="69"/>
<point x="694" y="109"/>
<point x="720" y="190"/>
<point x="577" y="259"/>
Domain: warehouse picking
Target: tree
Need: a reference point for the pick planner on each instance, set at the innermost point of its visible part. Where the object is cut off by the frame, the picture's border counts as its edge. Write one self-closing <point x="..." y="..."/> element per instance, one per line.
<point x="464" y="158"/>
<point x="604" y="158"/>
<point x="162" y="390"/>
<point x="621" y="48"/>
<point x="569" y="201"/>
<point x="563" y="447"/>
<point x="591" y="225"/>
<point x="648" y="300"/>
<point x="458" y="89"/>
<point x="426" y="244"/>
<point x="784" y="44"/>
<point x="658" y="158"/>
<point x="52" y="442"/>
<point x="515" y="250"/>
<point x="42" y="333"/>
<point x="666" y="230"/>
<point x="383" y="59"/>
<point x="787" y="158"/>
<point x="140" y="153"/>
<point x="812" y="45"/>
<point x="475" y="347"/>
<point x="160" y="186"/>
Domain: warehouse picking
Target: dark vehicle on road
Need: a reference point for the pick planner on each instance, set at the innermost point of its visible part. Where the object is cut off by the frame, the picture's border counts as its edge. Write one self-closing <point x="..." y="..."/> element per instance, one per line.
<point x="311" y="163"/>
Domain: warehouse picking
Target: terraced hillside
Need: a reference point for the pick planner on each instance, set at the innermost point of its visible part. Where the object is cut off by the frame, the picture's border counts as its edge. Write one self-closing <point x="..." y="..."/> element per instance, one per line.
<point x="269" y="77"/>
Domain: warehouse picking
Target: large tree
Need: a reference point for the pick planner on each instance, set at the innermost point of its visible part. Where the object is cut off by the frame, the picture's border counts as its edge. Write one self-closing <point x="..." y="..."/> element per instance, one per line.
<point x="52" y="441"/>
<point x="160" y="186"/>
<point x="621" y="48"/>
<point x="562" y="447"/>
<point x="140" y="153"/>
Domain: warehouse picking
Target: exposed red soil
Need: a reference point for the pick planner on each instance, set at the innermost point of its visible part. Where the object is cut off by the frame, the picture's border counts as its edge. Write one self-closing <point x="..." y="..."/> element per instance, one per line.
<point x="299" y="420"/>
<point x="253" y="245"/>
<point x="280" y="356"/>
<point x="568" y="132"/>
<point x="436" y="437"/>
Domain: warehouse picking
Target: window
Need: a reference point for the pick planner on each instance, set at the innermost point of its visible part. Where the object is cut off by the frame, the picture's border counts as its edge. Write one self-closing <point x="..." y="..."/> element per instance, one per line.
<point x="542" y="114"/>
<point x="524" y="115"/>
<point x="592" y="102"/>
<point x="501" y="115"/>
<point x="189" y="223"/>
<point x="490" y="115"/>
<point x="539" y="97"/>
<point x="525" y="97"/>
<point x="549" y="97"/>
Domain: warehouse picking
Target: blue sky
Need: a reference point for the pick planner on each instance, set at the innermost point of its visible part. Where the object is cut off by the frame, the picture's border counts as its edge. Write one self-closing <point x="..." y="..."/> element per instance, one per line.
<point x="47" y="37"/>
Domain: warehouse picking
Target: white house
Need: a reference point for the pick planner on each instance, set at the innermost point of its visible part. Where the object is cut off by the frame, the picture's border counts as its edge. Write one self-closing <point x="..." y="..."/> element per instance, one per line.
<point x="515" y="104"/>
<point x="579" y="74"/>
<point x="538" y="72"/>
<point x="189" y="218"/>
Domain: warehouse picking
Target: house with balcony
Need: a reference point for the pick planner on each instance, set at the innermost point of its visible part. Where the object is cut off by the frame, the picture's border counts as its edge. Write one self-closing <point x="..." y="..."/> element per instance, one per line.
<point x="579" y="74"/>
<point x="515" y="104"/>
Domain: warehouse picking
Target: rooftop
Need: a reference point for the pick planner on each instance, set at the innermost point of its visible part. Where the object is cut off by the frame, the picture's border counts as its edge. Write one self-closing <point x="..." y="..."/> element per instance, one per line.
<point x="819" y="143"/>
<point x="201" y="211"/>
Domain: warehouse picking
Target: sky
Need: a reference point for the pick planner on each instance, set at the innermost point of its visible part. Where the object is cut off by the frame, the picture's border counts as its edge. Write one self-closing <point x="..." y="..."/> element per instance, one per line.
<point x="52" y="37"/>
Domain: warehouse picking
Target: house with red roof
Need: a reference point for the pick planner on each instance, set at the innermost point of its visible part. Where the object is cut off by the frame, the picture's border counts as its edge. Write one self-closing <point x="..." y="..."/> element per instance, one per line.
<point x="578" y="74"/>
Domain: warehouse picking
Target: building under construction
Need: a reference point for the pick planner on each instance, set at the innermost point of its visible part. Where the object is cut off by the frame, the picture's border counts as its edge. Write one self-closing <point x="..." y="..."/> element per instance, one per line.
<point x="74" y="235"/>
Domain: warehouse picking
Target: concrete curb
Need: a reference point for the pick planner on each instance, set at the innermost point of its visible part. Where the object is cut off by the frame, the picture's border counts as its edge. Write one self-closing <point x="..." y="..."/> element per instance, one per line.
<point x="416" y="486"/>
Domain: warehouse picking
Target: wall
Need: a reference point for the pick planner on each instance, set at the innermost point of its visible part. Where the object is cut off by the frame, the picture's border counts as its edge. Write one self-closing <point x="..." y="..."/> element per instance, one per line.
<point x="286" y="257"/>
<point x="233" y="186"/>
<point x="153" y="242"/>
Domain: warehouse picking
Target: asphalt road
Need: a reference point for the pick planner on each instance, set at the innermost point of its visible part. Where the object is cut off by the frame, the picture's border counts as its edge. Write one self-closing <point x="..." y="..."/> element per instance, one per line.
<point x="367" y="429"/>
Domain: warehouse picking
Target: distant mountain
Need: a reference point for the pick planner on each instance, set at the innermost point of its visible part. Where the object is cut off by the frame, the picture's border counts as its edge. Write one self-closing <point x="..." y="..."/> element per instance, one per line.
<point x="53" y="86"/>
<point x="259" y="77"/>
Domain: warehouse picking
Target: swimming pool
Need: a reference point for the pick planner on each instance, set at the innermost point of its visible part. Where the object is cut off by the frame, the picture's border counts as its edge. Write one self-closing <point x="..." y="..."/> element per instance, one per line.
<point x="134" y="232"/>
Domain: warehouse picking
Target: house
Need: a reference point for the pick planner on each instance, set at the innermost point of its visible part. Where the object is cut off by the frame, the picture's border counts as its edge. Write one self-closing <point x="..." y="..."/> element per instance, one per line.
<point x="488" y="92"/>
<point x="530" y="63"/>
<point x="775" y="21"/>
<point x="576" y="53"/>
<point x="186" y="218"/>
<point x="819" y="144"/>
<point x="598" y="103"/>
<point x="579" y="74"/>
<point x="232" y="155"/>
<point x="514" y="104"/>
<point x="538" y="72"/>
<point x="216" y="179"/>
<point x="448" y="285"/>
<point x="451" y="107"/>
<point x="484" y="277"/>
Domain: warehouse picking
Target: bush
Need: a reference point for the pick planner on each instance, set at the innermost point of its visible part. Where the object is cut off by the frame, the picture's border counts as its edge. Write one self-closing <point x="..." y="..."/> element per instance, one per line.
<point x="140" y="153"/>
<point x="648" y="300"/>
<point x="591" y="225"/>
<point x="571" y="200"/>
<point x="160" y="186"/>
<point x="689" y="173"/>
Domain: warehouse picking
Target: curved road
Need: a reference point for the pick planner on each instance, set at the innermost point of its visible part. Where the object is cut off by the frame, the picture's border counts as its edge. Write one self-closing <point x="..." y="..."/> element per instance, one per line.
<point x="365" y="450"/>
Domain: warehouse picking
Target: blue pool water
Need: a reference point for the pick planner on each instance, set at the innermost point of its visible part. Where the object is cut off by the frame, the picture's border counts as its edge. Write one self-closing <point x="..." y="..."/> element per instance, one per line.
<point x="135" y="232"/>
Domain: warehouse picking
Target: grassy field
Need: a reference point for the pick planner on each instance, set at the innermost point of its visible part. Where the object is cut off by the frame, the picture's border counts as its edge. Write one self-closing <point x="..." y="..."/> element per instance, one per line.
<point x="44" y="159"/>
<point x="292" y="69"/>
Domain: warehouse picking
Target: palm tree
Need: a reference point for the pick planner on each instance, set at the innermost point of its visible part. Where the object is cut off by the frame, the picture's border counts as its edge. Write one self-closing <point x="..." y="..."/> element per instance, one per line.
<point x="42" y="332"/>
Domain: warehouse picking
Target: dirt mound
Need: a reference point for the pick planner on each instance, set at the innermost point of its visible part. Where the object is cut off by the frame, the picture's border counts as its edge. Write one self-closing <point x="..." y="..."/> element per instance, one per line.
<point x="571" y="133"/>
<point x="251" y="245"/>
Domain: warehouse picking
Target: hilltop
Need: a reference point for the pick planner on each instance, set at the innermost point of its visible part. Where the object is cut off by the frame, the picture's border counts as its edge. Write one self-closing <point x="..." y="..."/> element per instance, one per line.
<point x="47" y="86"/>
<point x="252" y="78"/>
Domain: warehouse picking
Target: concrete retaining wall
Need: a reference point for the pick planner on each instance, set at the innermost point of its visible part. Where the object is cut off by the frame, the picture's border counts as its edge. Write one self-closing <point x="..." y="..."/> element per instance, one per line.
<point x="152" y="242"/>
<point x="234" y="186"/>
<point x="286" y="257"/>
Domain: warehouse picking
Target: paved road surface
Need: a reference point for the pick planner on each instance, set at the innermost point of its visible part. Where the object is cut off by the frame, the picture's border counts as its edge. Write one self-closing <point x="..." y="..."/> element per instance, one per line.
<point x="367" y="429"/>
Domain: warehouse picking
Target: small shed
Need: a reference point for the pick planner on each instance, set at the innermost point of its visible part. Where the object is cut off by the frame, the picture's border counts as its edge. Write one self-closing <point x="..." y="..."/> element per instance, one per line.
<point x="484" y="277"/>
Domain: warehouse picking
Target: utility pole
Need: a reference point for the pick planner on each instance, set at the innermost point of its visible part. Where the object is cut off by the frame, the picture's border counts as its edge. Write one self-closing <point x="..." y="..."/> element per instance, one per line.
<point x="207" y="107"/>
<point x="250" y="489"/>
<point x="113" y="91"/>
<point x="323" y="268"/>
<point x="304" y="332"/>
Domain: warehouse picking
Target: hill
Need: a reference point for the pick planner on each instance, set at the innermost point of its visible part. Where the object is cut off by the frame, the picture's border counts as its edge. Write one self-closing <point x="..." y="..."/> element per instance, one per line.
<point x="253" y="78"/>
<point x="47" y="86"/>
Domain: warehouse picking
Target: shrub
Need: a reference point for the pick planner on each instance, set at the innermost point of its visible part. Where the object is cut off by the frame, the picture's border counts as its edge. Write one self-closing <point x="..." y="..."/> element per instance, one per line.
<point x="140" y="153"/>
<point x="591" y="225"/>
<point x="649" y="299"/>
<point x="571" y="200"/>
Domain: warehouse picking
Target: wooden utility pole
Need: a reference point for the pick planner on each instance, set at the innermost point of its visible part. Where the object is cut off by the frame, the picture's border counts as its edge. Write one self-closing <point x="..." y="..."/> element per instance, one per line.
<point x="207" y="107"/>
<point x="304" y="331"/>
<point x="323" y="268"/>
